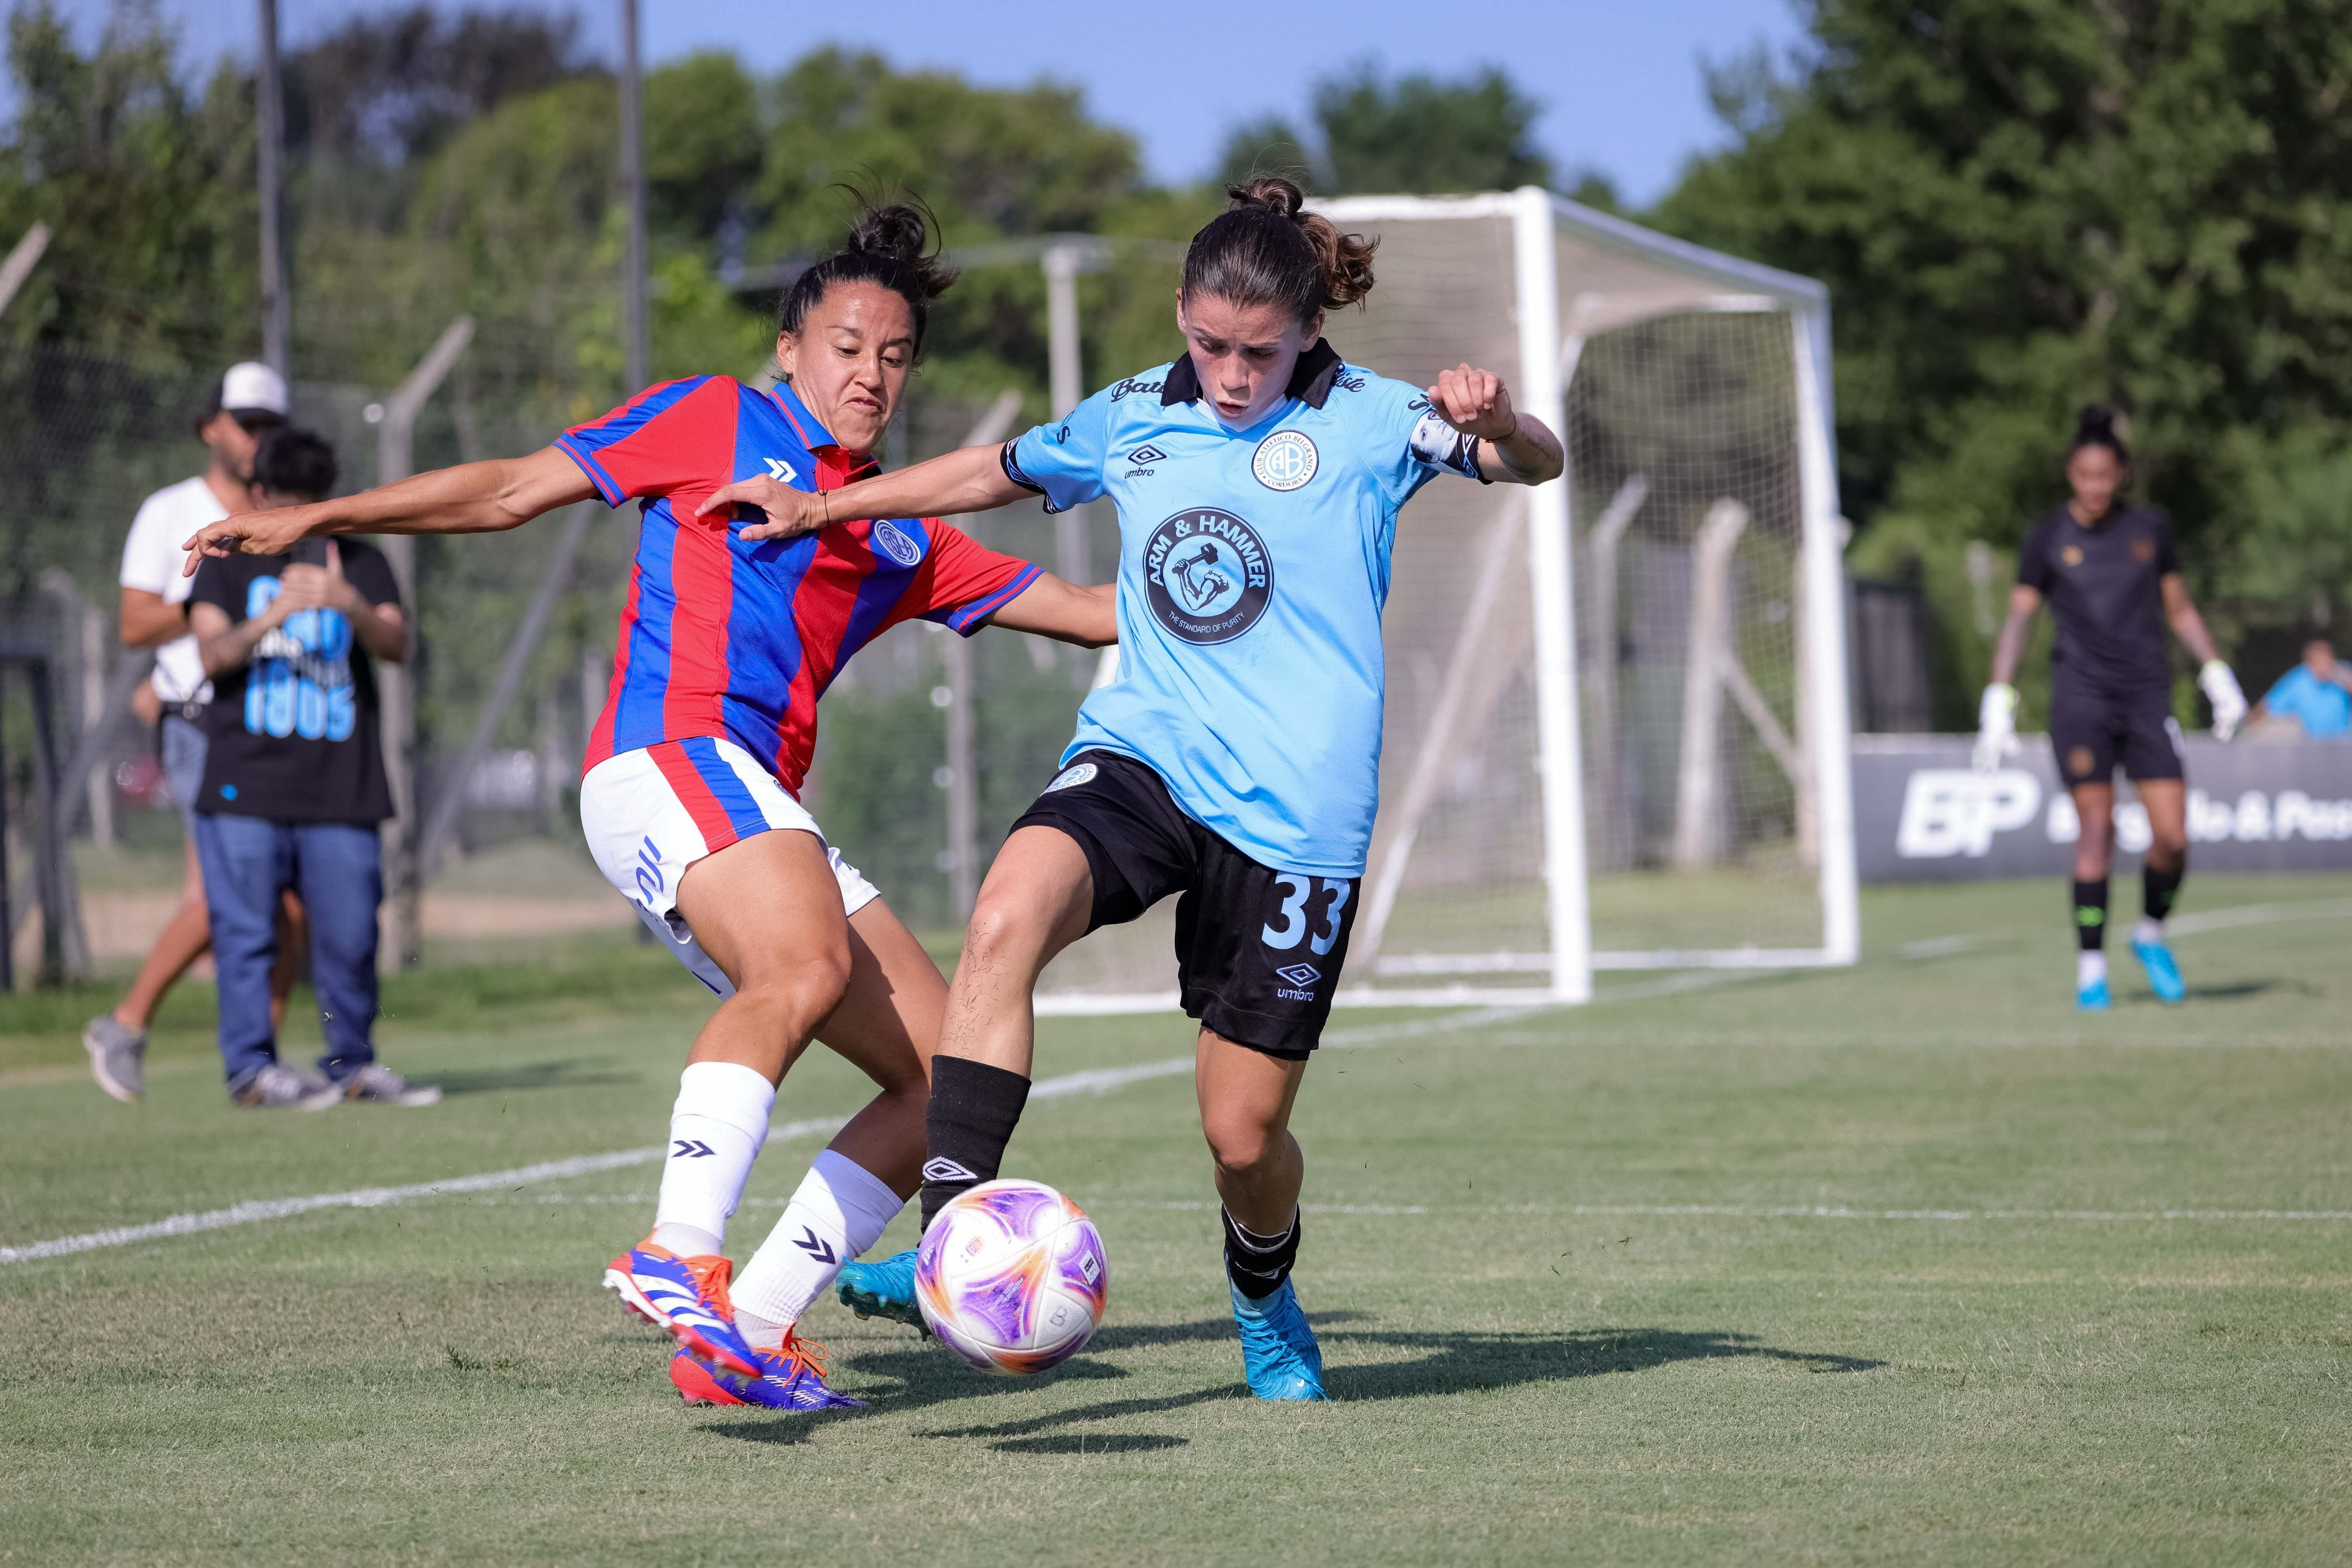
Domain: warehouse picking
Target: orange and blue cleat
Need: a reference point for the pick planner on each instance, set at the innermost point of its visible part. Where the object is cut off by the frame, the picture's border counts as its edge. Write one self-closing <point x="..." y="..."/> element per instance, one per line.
<point x="792" y="1379"/>
<point x="685" y="1298"/>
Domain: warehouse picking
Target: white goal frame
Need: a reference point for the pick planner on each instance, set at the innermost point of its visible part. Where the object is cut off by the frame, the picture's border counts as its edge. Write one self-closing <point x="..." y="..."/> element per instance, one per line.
<point x="1669" y="277"/>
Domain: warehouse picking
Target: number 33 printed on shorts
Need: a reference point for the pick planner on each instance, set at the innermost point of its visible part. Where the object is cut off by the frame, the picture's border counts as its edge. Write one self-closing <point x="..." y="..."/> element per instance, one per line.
<point x="1326" y="896"/>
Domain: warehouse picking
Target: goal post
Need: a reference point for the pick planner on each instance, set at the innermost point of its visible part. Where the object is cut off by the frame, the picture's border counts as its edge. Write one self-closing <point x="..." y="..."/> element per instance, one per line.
<point x="1617" y="724"/>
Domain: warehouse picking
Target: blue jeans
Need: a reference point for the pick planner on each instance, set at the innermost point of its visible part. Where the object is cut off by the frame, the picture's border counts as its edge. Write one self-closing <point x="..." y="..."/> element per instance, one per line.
<point x="337" y="868"/>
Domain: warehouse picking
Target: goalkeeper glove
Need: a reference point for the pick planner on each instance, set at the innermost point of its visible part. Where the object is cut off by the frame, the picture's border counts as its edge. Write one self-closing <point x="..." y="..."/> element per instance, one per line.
<point x="1996" y="728"/>
<point x="2220" y="689"/>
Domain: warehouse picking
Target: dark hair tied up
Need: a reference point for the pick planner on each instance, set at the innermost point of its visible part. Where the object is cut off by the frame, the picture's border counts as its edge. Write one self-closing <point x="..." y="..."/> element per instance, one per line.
<point x="2097" y="425"/>
<point x="894" y="246"/>
<point x="1265" y="249"/>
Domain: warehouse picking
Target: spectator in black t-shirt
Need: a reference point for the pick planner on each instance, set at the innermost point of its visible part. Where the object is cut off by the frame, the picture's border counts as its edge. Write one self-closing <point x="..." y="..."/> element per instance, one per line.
<point x="2111" y="578"/>
<point x="294" y="785"/>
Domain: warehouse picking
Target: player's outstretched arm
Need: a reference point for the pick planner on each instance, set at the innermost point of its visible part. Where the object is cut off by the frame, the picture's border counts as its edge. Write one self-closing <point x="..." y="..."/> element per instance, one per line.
<point x="1063" y="611"/>
<point x="1514" y="447"/>
<point x="971" y="480"/>
<point x="471" y="498"/>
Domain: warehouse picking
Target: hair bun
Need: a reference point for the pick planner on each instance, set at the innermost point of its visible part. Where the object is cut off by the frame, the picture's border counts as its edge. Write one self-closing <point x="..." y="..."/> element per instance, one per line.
<point x="897" y="232"/>
<point x="2098" y="420"/>
<point x="1271" y="192"/>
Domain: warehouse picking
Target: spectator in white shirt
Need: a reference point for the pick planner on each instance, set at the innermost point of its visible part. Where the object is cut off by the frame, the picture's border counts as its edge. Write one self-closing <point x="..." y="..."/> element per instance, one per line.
<point x="247" y="401"/>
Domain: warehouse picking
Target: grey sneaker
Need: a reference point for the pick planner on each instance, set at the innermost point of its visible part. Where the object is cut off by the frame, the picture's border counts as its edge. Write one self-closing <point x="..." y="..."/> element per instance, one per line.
<point x="278" y="1087"/>
<point x="118" y="1057"/>
<point x="378" y="1085"/>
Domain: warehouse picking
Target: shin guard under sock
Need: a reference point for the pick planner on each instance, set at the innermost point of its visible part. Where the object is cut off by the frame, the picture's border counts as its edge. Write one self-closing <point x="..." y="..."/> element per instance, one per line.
<point x="974" y="1108"/>
<point x="1257" y="1265"/>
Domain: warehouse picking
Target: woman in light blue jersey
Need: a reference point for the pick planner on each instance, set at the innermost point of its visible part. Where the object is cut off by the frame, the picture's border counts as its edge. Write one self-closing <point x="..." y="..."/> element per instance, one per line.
<point x="1235" y="761"/>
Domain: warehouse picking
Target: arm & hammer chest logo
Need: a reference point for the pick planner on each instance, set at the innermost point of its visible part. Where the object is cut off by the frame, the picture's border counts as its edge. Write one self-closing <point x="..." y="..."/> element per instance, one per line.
<point x="1206" y="575"/>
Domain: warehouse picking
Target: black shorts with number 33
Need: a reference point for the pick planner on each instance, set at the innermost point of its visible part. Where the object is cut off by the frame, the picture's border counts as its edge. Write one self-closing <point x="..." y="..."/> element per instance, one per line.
<point x="1257" y="950"/>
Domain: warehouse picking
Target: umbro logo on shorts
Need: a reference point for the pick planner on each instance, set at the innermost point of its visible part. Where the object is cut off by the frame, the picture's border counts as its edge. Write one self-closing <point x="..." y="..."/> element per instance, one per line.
<point x="1300" y="974"/>
<point x="946" y="1170"/>
<point x="690" y="1149"/>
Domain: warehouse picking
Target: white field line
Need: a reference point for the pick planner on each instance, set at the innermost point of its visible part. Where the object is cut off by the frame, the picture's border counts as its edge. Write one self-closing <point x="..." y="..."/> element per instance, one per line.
<point x="1100" y="1080"/>
<point x="2178" y="926"/>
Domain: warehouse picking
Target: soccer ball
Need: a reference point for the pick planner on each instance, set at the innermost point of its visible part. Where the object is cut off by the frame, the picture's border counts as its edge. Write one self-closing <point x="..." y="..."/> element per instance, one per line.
<point x="1012" y="1277"/>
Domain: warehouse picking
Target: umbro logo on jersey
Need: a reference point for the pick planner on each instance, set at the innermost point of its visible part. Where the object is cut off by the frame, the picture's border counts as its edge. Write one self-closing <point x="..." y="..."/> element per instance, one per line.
<point x="816" y="1246"/>
<point x="1300" y="974"/>
<point x="1147" y="454"/>
<point x="690" y="1149"/>
<point x="944" y="1169"/>
<point x="782" y="471"/>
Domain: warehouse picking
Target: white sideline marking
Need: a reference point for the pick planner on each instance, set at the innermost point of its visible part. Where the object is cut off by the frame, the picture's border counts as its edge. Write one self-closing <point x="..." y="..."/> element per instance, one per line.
<point x="2178" y="926"/>
<point x="364" y="1198"/>
<point x="1100" y="1080"/>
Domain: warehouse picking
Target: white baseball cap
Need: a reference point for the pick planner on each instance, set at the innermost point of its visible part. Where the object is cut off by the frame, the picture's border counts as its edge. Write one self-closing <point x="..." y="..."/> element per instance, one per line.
<point x="252" y="387"/>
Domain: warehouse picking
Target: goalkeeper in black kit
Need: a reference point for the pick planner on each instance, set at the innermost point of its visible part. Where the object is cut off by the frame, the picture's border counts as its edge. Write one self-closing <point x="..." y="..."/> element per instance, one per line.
<point x="2111" y="578"/>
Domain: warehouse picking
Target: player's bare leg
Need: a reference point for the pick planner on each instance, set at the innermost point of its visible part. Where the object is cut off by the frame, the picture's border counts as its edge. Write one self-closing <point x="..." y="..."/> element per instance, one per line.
<point x="1245" y="1102"/>
<point x="1037" y="901"/>
<point x="886" y="1023"/>
<point x="2161" y="873"/>
<point x="767" y="911"/>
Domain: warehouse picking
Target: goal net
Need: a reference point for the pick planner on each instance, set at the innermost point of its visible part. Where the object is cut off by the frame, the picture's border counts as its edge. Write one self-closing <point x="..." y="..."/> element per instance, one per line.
<point x="1616" y="727"/>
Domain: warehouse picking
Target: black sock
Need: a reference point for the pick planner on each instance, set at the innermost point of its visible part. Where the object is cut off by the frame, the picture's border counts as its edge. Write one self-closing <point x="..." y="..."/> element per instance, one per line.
<point x="2090" y="916"/>
<point x="2157" y="889"/>
<point x="974" y="1108"/>
<point x="1257" y="1265"/>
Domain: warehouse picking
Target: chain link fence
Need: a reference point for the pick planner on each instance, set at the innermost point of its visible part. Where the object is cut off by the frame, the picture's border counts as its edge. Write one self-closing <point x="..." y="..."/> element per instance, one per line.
<point x="92" y="435"/>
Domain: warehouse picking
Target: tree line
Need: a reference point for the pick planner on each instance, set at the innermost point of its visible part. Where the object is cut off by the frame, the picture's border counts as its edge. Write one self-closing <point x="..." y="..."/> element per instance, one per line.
<point x="2020" y="206"/>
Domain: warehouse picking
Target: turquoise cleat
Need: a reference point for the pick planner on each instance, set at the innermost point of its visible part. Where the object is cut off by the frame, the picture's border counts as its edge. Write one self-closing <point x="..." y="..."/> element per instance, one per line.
<point x="2163" y="974"/>
<point x="883" y="1289"/>
<point x="2093" y="997"/>
<point x="1278" y="1350"/>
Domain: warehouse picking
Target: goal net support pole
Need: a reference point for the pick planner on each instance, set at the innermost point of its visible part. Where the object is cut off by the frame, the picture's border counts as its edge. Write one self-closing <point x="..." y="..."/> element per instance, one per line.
<point x="1544" y="393"/>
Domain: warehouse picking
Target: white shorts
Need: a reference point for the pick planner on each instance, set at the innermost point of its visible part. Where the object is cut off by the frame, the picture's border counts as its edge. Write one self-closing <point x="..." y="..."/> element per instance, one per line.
<point x="651" y="814"/>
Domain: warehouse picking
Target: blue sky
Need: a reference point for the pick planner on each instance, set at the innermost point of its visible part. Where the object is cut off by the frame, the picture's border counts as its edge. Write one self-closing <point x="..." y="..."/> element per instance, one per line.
<point x="1620" y="82"/>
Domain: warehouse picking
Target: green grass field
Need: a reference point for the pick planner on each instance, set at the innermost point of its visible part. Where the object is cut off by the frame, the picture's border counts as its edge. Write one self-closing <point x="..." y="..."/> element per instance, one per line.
<point x="1879" y="1265"/>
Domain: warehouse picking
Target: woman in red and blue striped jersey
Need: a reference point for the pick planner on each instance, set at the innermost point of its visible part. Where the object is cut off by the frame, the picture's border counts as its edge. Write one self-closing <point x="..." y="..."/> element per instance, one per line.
<point x="725" y="646"/>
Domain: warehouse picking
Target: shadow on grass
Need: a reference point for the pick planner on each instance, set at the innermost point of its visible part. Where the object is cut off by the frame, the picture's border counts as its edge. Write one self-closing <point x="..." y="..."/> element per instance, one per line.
<point x="1435" y="1364"/>
<point x="2247" y="991"/>
<point x="570" y="1072"/>
<point x="1464" y="1363"/>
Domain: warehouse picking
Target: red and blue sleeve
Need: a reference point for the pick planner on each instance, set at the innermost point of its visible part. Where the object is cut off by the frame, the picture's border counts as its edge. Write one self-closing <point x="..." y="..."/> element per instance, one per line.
<point x="964" y="582"/>
<point x="677" y="436"/>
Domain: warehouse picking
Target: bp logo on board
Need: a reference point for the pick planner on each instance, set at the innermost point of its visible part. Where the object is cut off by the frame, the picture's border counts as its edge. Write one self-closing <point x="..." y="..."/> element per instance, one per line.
<point x="1206" y="575"/>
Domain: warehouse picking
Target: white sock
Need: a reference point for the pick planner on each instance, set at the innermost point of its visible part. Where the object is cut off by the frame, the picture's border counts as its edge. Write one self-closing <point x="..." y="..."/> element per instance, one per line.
<point x="2149" y="932"/>
<point x="716" y="1129"/>
<point x="838" y="1213"/>
<point x="2089" y="966"/>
